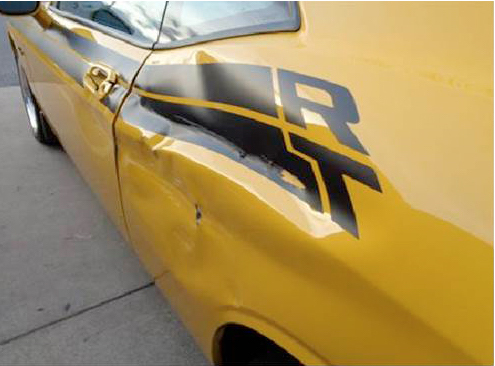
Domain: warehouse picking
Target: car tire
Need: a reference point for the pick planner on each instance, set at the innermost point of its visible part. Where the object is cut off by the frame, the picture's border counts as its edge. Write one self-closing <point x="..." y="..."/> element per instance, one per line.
<point x="37" y="120"/>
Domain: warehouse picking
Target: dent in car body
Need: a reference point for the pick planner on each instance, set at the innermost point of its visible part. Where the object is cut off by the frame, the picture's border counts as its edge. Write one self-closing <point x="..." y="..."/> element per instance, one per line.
<point x="381" y="299"/>
<point x="250" y="87"/>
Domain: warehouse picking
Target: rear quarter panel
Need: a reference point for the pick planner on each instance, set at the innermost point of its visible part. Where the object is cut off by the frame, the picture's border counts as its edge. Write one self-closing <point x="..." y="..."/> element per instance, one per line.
<point x="415" y="285"/>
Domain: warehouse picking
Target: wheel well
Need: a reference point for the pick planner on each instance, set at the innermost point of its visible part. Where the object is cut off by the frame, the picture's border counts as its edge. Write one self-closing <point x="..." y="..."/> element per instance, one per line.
<point x="238" y="345"/>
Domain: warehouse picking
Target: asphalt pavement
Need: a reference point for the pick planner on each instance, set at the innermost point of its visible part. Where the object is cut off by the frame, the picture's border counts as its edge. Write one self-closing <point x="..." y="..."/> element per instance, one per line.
<point x="72" y="292"/>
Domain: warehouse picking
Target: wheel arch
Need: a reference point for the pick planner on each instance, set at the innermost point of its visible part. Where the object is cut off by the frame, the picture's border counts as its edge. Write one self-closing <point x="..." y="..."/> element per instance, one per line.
<point x="241" y="321"/>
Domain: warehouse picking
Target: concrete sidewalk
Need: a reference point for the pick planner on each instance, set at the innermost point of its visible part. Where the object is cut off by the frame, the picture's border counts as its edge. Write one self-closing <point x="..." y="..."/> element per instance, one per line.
<point x="71" y="291"/>
<point x="8" y="75"/>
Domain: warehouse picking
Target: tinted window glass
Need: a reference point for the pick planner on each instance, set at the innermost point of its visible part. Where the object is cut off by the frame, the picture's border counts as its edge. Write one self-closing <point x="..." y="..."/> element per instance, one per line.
<point x="139" y="20"/>
<point x="199" y="20"/>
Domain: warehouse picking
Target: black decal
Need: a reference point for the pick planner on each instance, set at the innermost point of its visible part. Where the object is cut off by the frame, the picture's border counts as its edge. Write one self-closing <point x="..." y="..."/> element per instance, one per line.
<point x="91" y="50"/>
<point x="333" y="166"/>
<point x="113" y="99"/>
<point x="336" y="117"/>
<point x="258" y="146"/>
<point x="247" y="86"/>
<point x="57" y="42"/>
<point x="72" y="65"/>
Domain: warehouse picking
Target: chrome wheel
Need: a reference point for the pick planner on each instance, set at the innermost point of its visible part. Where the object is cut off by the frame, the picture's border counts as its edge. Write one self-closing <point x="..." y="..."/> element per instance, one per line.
<point x="29" y="102"/>
<point x="37" y="120"/>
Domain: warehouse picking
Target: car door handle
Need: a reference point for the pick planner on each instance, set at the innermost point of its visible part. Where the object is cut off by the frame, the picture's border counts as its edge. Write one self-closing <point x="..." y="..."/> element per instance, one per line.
<point x="99" y="80"/>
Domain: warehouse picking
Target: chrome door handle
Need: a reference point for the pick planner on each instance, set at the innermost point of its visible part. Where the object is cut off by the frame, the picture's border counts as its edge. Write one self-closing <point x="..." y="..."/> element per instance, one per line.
<point x="99" y="80"/>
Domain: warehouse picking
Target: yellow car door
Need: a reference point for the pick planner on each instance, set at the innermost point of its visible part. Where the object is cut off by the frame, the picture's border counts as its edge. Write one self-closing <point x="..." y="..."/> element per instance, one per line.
<point x="82" y="57"/>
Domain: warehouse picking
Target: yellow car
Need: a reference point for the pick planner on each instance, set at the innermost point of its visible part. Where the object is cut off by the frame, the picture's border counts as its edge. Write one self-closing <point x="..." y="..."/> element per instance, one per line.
<point x="307" y="182"/>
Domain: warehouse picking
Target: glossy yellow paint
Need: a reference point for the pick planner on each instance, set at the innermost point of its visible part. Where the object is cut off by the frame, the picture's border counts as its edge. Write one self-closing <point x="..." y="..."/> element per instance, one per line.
<point x="416" y="287"/>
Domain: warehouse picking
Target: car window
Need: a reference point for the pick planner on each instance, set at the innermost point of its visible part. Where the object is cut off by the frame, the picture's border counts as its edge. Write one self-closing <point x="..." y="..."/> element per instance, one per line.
<point x="136" y="20"/>
<point x="196" y="21"/>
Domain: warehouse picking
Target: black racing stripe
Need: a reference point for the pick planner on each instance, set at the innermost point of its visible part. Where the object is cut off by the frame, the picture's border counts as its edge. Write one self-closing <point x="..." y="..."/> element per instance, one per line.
<point x="113" y="99"/>
<point x="125" y="66"/>
<point x="255" y="145"/>
<point x="333" y="167"/>
<point x="57" y="42"/>
<point x="66" y="60"/>
<point x="248" y="86"/>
